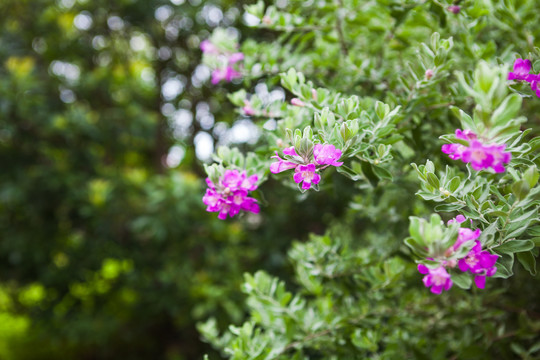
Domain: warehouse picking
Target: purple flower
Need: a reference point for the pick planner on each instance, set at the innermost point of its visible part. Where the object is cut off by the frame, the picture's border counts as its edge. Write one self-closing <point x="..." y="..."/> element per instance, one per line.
<point x="438" y="279"/>
<point x="236" y="57"/>
<point x="480" y="155"/>
<point x="465" y="235"/>
<point x="455" y="9"/>
<point x="250" y="204"/>
<point x="468" y="135"/>
<point x="306" y="166"/>
<point x="481" y="263"/>
<point x="226" y="71"/>
<point x="535" y="85"/>
<point x="297" y="102"/>
<point x="522" y="68"/>
<point x="326" y="155"/>
<point x="228" y="74"/>
<point x="282" y="165"/>
<point x="230" y="194"/>
<point x="483" y="157"/>
<point x="290" y="151"/>
<point x="212" y="200"/>
<point x="459" y="219"/>
<point x="499" y="157"/>
<point x="454" y="151"/>
<point x="307" y="175"/>
<point x="208" y="48"/>
<point x="248" y="109"/>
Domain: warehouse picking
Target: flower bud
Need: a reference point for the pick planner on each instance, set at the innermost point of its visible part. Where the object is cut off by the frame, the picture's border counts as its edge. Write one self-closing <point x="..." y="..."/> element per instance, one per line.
<point x="248" y="109"/>
<point x="314" y="94"/>
<point x="297" y="102"/>
<point x="429" y="74"/>
<point x="454" y="9"/>
<point x="451" y="263"/>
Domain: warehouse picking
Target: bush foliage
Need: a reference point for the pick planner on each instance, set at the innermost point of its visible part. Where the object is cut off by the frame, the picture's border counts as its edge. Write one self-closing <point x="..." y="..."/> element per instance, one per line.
<point x="388" y="83"/>
<point x="339" y="110"/>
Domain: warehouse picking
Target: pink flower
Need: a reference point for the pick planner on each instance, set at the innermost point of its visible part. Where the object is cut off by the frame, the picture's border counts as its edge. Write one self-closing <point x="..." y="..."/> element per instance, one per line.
<point x="438" y="279"/>
<point x="297" y="102"/>
<point x="248" y="110"/>
<point x="454" y="151"/>
<point x="282" y="165"/>
<point x="459" y="219"/>
<point x="468" y="135"/>
<point x="465" y="235"/>
<point x="290" y="151"/>
<point x="230" y="194"/>
<point x="307" y="175"/>
<point x="236" y="57"/>
<point x="208" y="48"/>
<point x="481" y="263"/>
<point x="326" y="155"/>
<point x="522" y="68"/>
<point x="535" y="85"/>
<point x="477" y="155"/>
<point x="483" y="157"/>
<point x="455" y="9"/>
<point x="227" y="70"/>
<point x="228" y="74"/>
<point x="480" y="155"/>
<point x="306" y="166"/>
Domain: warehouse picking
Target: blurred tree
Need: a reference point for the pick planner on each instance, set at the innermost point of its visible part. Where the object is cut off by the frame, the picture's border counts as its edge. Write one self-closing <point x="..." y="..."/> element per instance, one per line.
<point x="106" y="250"/>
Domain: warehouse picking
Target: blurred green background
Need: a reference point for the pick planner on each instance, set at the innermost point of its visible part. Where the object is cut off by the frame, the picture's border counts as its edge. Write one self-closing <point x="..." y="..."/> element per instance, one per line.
<point x="106" y="250"/>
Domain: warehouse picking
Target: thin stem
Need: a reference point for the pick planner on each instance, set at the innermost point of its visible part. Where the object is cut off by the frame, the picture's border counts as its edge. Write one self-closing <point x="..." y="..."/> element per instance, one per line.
<point x="339" y="28"/>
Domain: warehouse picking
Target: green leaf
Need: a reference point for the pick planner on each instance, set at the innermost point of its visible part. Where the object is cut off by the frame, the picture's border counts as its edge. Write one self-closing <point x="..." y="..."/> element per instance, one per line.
<point x="528" y="261"/>
<point x="348" y="172"/>
<point x="514" y="246"/>
<point x="462" y="280"/>
<point x="466" y="121"/>
<point x="382" y="173"/>
<point x="433" y="180"/>
<point x="504" y="266"/>
<point x="520" y="189"/>
<point x="417" y="247"/>
<point x="507" y="110"/>
<point x="448" y="207"/>
<point x="531" y="176"/>
<point x="367" y="169"/>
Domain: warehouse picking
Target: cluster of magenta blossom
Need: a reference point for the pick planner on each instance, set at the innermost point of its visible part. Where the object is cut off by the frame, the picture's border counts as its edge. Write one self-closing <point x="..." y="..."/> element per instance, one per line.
<point x="248" y="108"/>
<point x="228" y="70"/>
<point x="480" y="263"/>
<point x="230" y="194"/>
<point x="481" y="156"/>
<point x="522" y="72"/>
<point x="306" y="169"/>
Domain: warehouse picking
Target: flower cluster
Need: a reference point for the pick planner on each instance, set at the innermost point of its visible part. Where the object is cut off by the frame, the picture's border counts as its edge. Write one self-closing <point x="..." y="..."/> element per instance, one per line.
<point x="522" y="72"/>
<point x="481" y="263"/>
<point x="230" y="194"/>
<point x="228" y="69"/>
<point x="305" y="169"/>
<point x="478" y="262"/>
<point x="480" y="155"/>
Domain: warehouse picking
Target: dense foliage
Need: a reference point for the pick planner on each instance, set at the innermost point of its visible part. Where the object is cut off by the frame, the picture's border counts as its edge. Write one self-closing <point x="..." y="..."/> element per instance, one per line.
<point x="336" y="158"/>
<point x="429" y="109"/>
<point x="106" y="249"/>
